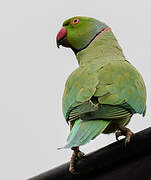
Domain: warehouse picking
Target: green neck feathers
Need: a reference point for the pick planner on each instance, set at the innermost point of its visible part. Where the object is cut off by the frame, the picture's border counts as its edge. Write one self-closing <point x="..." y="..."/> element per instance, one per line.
<point x="104" y="47"/>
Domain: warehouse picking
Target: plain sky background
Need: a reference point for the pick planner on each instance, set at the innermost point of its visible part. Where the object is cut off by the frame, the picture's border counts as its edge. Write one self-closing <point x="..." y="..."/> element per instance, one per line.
<point x="33" y="73"/>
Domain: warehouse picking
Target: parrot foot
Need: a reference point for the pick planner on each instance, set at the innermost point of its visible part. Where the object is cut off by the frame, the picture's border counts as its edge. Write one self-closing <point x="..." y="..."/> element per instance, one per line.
<point x="126" y="132"/>
<point x="118" y="134"/>
<point x="77" y="154"/>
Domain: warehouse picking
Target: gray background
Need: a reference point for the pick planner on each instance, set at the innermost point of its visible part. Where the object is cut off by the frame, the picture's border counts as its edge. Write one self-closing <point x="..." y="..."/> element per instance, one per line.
<point x="33" y="73"/>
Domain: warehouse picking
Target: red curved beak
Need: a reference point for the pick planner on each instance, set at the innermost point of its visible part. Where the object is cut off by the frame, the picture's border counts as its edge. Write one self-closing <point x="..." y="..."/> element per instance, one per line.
<point x="61" y="37"/>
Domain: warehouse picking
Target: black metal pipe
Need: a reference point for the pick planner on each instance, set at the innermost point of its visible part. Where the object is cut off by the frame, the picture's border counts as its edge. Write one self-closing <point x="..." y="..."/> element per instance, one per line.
<point x="115" y="161"/>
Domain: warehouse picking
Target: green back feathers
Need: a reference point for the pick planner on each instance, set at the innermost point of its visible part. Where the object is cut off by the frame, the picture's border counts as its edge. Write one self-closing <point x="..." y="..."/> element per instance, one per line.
<point x="121" y="84"/>
<point x="113" y="82"/>
<point x="79" y="88"/>
<point x="104" y="48"/>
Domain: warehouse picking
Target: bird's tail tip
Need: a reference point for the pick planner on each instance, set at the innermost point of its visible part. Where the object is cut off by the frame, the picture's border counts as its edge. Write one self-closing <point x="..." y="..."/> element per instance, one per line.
<point x="59" y="148"/>
<point x="63" y="147"/>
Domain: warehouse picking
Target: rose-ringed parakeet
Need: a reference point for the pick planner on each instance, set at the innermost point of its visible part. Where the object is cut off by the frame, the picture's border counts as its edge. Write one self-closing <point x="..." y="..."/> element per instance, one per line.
<point x="104" y="92"/>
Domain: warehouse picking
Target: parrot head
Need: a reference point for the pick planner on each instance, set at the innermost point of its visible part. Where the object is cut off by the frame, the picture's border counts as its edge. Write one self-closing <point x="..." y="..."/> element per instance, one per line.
<point x="78" y="32"/>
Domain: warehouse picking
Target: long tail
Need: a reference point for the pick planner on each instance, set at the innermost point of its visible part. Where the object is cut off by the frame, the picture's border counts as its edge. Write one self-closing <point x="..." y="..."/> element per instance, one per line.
<point x="84" y="131"/>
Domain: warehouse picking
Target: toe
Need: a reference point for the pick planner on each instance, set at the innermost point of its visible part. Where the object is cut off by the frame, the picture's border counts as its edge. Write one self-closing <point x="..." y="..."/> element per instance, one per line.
<point x="118" y="134"/>
<point x="128" y="137"/>
<point x="73" y="171"/>
<point x="80" y="154"/>
<point x="127" y="140"/>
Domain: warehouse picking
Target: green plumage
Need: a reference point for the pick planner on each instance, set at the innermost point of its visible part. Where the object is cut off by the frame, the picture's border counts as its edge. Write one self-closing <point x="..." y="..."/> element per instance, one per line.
<point x="83" y="131"/>
<point x="104" y="75"/>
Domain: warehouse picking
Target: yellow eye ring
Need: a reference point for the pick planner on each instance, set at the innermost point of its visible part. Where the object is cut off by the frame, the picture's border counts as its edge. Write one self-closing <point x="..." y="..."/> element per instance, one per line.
<point x="75" y="21"/>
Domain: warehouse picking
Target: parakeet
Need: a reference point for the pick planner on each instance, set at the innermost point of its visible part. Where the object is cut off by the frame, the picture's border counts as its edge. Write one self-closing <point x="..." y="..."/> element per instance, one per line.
<point x="104" y="92"/>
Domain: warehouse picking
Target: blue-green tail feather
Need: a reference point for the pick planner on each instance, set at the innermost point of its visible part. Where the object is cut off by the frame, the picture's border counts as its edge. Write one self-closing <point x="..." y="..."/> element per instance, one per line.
<point x="84" y="131"/>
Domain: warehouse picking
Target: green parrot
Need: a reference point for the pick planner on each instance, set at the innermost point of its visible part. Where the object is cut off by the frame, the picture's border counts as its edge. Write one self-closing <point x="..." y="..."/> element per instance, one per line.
<point x="104" y="92"/>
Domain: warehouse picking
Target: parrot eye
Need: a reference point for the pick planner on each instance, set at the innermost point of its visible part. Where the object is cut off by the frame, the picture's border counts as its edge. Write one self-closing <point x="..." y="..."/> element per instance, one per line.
<point x="75" y="21"/>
